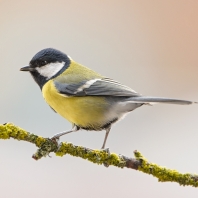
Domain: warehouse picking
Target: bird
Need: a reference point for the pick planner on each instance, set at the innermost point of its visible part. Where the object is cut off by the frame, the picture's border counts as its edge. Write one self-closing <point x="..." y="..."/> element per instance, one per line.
<point x="84" y="97"/>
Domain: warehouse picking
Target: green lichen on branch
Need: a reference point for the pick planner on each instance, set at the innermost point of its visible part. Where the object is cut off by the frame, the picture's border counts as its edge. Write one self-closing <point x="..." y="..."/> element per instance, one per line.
<point x="140" y="163"/>
<point x="166" y="175"/>
<point x="95" y="156"/>
<point x="9" y="130"/>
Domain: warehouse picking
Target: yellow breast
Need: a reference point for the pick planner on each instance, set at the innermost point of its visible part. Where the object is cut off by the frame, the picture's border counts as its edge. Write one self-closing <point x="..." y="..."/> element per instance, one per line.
<point x="86" y="112"/>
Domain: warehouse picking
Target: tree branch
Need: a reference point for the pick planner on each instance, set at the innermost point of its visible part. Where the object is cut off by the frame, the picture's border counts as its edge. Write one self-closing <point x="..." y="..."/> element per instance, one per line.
<point x="140" y="163"/>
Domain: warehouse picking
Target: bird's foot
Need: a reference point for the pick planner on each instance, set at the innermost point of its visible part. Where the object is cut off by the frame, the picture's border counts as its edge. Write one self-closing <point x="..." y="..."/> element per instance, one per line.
<point x="56" y="138"/>
<point x="108" y="152"/>
<point x="58" y="135"/>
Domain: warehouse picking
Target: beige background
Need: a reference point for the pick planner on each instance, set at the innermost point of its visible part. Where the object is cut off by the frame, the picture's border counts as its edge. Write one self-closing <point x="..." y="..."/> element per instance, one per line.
<point x="148" y="45"/>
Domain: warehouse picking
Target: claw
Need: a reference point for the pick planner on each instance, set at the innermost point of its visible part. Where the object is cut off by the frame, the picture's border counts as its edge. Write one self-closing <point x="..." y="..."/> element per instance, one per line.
<point x="108" y="152"/>
<point x="49" y="156"/>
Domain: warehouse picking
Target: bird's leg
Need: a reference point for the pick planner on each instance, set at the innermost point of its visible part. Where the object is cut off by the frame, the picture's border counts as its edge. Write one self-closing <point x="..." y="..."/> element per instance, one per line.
<point x="74" y="129"/>
<point x="106" y="136"/>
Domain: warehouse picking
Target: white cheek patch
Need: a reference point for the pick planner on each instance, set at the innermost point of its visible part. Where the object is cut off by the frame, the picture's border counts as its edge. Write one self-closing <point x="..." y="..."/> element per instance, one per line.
<point x="87" y="85"/>
<point x="50" y="69"/>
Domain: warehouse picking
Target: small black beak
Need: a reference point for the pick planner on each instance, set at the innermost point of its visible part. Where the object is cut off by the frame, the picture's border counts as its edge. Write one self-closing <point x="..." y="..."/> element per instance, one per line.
<point x="27" y="68"/>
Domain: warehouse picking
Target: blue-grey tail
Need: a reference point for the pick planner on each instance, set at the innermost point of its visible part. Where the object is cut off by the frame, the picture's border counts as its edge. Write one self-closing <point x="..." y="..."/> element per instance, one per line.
<point x="148" y="99"/>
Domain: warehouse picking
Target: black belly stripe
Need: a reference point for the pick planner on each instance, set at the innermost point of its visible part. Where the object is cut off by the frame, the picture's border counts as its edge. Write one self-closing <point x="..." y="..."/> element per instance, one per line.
<point x="98" y="128"/>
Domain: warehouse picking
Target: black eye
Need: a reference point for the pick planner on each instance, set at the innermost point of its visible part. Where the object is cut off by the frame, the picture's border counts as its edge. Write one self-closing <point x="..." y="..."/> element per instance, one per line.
<point x="43" y="63"/>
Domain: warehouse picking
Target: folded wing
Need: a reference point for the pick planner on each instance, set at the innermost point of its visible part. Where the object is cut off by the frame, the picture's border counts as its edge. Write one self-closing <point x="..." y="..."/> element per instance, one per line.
<point x="96" y="87"/>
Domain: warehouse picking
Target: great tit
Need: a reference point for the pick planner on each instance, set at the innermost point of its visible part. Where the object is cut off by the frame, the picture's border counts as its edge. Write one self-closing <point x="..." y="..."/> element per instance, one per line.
<point x="85" y="98"/>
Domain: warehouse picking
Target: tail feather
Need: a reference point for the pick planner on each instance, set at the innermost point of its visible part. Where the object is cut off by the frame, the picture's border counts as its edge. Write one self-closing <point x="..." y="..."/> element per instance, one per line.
<point x="147" y="99"/>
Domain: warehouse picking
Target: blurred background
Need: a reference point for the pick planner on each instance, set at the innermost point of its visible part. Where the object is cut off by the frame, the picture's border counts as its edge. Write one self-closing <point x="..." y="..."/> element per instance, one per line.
<point x="149" y="45"/>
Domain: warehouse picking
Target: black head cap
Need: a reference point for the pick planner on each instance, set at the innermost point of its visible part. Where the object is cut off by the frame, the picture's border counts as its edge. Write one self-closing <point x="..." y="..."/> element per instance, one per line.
<point x="48" y="55"/>
<point x="45" y="57"/>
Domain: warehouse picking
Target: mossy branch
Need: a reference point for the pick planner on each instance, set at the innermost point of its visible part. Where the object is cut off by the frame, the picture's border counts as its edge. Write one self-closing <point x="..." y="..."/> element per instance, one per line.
<point x="140" y="163"/>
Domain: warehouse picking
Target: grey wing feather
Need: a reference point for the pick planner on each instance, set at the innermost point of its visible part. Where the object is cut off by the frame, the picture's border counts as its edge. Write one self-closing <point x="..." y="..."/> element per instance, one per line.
<point x="97" y="87"/>
<point x="67" y="89"/>
<point x="147" y="99"/>
<point x="109" y="87"/>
